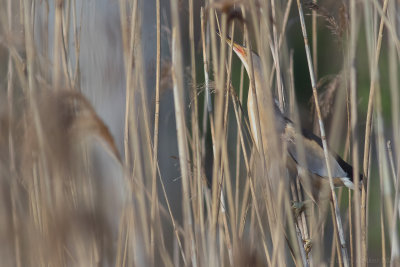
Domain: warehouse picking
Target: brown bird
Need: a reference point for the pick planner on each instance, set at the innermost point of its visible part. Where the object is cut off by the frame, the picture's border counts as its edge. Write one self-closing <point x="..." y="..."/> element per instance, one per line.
<point x="314" y="163"/>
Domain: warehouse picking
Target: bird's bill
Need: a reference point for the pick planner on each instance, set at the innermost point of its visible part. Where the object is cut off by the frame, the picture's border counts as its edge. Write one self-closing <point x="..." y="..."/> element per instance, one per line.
<point x="236" y="47"/>
<point x="239" y="49"/>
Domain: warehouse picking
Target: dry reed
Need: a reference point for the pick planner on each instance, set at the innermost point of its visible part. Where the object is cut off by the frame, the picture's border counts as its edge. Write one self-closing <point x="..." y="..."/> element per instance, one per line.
<point x="69" y="198"/>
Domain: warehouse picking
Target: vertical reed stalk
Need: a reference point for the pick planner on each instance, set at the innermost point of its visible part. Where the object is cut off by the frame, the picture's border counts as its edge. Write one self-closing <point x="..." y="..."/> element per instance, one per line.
<point x="353" y="118"/>
<point x="154" y="198"/>
<point x="177" y="73"/>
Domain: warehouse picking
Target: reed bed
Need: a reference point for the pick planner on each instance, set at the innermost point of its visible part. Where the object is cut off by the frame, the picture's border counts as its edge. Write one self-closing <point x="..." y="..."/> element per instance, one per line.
<point x="78" y="190"/>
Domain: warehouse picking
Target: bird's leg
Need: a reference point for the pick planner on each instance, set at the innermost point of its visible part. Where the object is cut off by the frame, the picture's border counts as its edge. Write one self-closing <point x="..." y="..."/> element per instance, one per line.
<point x="298" y="205"/>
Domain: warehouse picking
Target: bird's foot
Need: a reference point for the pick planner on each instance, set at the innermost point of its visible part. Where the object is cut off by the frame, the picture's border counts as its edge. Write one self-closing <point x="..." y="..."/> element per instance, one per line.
<point x="307" y="246"/>
<point x="298" y="208"/>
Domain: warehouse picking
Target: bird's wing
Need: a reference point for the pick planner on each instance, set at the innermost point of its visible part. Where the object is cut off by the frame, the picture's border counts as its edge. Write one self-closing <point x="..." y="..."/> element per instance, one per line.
<point x="313" y="153"/>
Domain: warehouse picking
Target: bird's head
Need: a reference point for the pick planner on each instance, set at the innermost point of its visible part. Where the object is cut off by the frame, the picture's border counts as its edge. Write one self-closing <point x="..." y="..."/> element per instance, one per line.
<point x="239" y="50"/>
<point x="242" y="53"/>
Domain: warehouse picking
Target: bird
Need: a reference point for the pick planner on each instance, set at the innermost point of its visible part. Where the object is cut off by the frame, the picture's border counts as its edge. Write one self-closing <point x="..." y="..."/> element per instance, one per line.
<point x="313" y="165"/>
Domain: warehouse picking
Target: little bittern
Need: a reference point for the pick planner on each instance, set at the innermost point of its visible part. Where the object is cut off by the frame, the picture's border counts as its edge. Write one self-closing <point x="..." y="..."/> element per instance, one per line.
<point x="314" y="164"/>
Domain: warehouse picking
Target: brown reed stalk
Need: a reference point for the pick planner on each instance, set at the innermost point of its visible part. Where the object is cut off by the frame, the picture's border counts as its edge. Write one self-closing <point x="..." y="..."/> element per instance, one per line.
<point x="315" y="40"/>
<point x="218" y="123"/>
<point x="76" y="33"/>
<point x="238" y="117"/>
<point x="181" y="131"/>
<point x="394" y="87"/>
<point x="11" y="146"/>
<point x="281" y="36"/>
<point x="383" y="169"/>
<point x="154" y="198"/>
<point x="275" y="48"/>
<point x="353" y="118"/>
<point x="394" y="242"/>
<point x="206" y="109"/>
